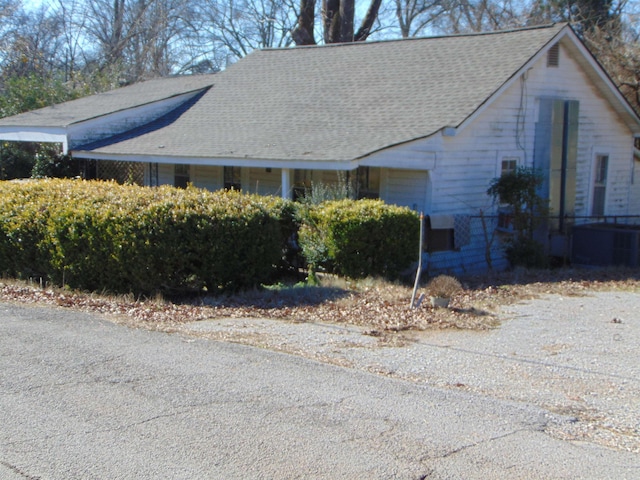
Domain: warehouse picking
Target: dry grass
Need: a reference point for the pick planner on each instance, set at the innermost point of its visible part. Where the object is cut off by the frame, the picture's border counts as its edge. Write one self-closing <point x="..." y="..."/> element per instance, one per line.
<point x="377" y="305"/>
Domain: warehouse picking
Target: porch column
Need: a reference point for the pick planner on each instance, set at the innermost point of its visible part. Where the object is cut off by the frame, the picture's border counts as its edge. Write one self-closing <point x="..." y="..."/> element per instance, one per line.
<point x="287" y="191"/>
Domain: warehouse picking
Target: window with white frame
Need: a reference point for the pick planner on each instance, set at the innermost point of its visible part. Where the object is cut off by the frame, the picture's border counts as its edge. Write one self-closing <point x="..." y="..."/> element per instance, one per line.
<point x="600" y="185"/>
<point x="508" y="165"/>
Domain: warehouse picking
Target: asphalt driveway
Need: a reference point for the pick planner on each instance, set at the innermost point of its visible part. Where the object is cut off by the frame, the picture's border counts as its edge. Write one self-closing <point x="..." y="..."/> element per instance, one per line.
<point x="575" y="356"/>
<point x="81" y="397"/>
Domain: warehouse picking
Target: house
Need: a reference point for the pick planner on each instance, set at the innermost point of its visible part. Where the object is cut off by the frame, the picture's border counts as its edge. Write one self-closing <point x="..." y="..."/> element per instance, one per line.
<point x="426" y="123"/>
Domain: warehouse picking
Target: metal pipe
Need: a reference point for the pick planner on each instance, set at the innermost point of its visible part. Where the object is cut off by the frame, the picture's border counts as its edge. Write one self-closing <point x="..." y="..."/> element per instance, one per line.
<point x="419" y="270"/>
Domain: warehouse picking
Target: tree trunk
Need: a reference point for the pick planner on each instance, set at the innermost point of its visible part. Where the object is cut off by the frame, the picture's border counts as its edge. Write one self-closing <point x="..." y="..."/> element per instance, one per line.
<point x="331" y="21"/>
<point x="115" y="49"/>
<point x="303" y="33"/>
<point x="347" y="12"/>
<point x="338" y="17"/>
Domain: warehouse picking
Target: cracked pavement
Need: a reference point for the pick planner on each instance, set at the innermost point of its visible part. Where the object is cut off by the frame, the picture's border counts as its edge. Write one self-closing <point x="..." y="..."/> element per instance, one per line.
<point x="81" y="397"/>
<point x="563" y="354"/>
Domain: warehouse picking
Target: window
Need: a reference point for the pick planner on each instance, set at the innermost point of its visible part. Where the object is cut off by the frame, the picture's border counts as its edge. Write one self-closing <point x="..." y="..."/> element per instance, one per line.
<point x="153" y="175"/>
<point x="181" y="176"/>
<point x="509" y="165"/>
<point x="438" y="239"/>
<point x="232" y="178"/>
<point x="600" y="185"/>
<point x="368" y="182"/>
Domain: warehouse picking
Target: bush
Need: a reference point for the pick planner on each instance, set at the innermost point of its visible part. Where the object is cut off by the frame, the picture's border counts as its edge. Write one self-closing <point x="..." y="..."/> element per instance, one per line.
<point x="100" y="236"/>
<point x="103" y="236"/>
<point x="287" y="213"/>
<point x="24" y="215"/>
<point x="526" y="253"/>
<point x="444" y="286"/>
<point x="49" y="163"/>
<point x="519" y="189"/>
<point x="16" y="159"/>
<point x="360" y="238"/>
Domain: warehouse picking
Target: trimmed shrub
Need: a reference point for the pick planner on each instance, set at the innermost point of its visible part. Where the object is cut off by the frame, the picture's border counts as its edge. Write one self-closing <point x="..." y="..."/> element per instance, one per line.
<point x="23" y="224"/>
<point x="100" y="236"/>
<point x="360" y="238"/>
<point x="104" y="236"/>
<point x="286" y="212"/>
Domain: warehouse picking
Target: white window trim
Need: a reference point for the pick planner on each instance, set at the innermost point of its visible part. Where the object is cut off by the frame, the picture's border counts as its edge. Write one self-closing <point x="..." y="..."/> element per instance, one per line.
<point x="508" y="155"/>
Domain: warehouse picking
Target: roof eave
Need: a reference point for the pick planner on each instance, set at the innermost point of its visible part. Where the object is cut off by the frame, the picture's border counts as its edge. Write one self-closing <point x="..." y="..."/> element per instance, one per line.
<point x="293" y="163"/>
<point x="603" y="82"/>
<point x="35" y="134"/>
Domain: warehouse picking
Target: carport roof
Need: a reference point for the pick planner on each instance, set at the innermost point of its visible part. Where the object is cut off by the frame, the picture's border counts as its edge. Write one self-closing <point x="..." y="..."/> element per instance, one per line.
<point x="119" y="99"/>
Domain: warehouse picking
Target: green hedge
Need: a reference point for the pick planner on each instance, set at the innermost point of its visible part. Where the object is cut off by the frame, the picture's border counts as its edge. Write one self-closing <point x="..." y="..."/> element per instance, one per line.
<point x="360" y="238"/>
<point x="103" y="236"/>
<point x="100" y="236"/>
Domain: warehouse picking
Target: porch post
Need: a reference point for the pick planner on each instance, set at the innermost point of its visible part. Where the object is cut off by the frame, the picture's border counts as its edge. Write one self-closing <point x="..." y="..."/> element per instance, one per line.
<point x="287" y="191"/>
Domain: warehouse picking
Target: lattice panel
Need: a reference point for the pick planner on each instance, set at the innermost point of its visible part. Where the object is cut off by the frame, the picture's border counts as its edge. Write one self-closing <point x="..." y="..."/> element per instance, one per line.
<point x="121" y="172"/>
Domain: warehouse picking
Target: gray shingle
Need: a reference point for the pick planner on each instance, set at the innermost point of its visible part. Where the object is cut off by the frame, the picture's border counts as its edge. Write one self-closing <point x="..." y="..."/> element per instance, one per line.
<point x="339" y="102"/>
<point x="86" y="108"/>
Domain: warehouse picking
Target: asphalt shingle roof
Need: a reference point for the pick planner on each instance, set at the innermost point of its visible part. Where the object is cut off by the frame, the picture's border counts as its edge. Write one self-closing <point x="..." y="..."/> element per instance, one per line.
<point x="82" y="109"/>
<point x="336" y="102"/>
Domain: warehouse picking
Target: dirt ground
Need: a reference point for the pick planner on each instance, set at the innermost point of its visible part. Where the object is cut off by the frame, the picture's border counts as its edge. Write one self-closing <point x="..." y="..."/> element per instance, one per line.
<point x="379" y="306"/>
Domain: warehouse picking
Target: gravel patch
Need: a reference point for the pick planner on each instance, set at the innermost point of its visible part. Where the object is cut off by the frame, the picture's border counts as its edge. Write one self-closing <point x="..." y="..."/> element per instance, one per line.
<point x="576" y="356"/>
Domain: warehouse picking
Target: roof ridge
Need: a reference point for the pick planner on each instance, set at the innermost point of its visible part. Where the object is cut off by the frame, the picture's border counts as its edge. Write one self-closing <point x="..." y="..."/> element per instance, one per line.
<point x="434" y="37"/>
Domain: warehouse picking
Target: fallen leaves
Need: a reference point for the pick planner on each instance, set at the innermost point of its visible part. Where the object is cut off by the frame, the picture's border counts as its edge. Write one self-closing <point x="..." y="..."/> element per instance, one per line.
<point x="379" y="306"/>
<point x="368" y="307"/>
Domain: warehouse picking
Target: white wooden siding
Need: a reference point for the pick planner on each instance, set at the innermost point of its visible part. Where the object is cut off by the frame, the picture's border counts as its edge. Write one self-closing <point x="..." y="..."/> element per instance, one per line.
<point x="166" y="174"/>
<point x="415" y="155"/>
<point x="466" y="163"/>
<point x="598" y="126"/>
<point x="634" y="191"/>
<point x="264" y="182"/>
<point x="408" y="188"/>
<point x="211" y="178"/>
